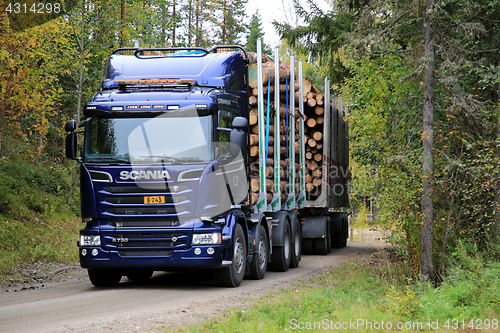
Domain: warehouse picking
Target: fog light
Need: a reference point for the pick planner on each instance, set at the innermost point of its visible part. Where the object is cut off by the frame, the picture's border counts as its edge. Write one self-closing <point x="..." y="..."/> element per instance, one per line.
<point x="197" y="251"/>
<point x="84" y="252"/>
<point x="210" y="250"/>
<point x="94" y="252"/>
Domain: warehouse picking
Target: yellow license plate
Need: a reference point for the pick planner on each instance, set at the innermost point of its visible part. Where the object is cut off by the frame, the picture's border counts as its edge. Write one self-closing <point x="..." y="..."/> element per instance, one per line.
<point x="159" y="199"/>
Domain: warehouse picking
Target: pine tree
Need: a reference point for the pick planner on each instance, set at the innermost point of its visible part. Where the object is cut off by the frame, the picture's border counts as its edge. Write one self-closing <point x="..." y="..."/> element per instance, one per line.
<point x="323" y="33"/>
<point x="255" y="32"/>
<point x="226" y="19"/>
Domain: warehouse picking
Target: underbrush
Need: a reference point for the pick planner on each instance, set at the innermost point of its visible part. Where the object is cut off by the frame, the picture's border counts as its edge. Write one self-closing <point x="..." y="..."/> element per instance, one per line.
<point x="36" y="222"/>
<point x="375" y="296"/>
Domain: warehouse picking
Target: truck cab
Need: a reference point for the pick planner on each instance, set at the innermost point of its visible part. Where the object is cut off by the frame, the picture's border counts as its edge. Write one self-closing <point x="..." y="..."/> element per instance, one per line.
<point x="163" y="171"/>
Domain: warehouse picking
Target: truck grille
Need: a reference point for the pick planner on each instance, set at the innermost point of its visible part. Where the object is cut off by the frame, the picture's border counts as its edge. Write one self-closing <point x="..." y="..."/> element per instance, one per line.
<point x="145" y="210"/>
<point x="144" y="223"/>
<point x="145" y="242"/>
<point x="129" y="200"/>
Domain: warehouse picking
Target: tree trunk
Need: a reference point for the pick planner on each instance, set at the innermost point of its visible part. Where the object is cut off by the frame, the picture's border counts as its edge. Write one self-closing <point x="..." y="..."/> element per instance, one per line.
<point x="198" y="32"/>
<point x="426" y="236"/>
<point x="174" y="24"/>
<point x="190" y="19"/>
<point x="122" y="20"/>
<point x="80" y="93"/>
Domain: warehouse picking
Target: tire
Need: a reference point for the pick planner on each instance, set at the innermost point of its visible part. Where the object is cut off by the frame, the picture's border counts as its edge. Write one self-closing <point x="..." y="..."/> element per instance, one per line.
<point x="140" y="275"/>
<point x="308" y="246"/>
<point x="329" y="235"/>
<point x="258" y="265"/>
<point x="232" y="275"/>
<point x="337" y="240"/>
<point x="296" y="246"/>
<point x="345" y="234"/>
<point x="104" y="277"/>
<point x="281" y="256"/>
<point x="321" y="246"/>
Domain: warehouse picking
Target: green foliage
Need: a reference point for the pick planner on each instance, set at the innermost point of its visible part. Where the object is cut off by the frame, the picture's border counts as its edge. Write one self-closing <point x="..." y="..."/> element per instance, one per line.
<point x="255" y="32"/>
<point x="384" y="57"/>
<point x="36" y="222"/>
<point x="227" y="19"/>
<point x="322" y="35"/>
<point x="372" y="291"/>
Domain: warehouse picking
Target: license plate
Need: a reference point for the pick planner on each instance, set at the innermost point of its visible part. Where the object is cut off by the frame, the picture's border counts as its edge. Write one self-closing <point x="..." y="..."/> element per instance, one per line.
<point x="159" y="199"/>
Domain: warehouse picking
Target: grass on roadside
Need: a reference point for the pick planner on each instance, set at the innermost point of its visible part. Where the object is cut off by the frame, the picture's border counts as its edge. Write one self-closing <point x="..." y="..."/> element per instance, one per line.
<point x="370" y="296"/>
<point x="36" y="223"/>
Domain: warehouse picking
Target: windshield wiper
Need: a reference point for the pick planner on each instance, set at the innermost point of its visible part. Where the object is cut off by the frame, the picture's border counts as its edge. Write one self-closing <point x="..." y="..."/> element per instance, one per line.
<point x="183" y="160"/>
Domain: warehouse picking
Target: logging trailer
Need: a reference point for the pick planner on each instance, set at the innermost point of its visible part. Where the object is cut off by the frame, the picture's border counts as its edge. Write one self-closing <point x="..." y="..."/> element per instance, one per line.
<point x="208" y="159"/>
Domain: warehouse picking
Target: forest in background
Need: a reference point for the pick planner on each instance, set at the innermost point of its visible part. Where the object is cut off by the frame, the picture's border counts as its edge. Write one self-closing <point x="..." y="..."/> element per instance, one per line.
<point x="50" y="65"/>
<point x="376" y="51"/>
<point x="373" y="51"/>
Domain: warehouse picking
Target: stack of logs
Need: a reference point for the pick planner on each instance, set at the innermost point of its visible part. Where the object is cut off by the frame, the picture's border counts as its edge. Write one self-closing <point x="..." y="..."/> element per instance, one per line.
<point x="313" y="138"/>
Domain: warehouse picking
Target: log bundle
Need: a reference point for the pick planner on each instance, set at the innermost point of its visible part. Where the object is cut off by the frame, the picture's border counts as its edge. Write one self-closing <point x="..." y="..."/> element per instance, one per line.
<point x="313" y="133"/>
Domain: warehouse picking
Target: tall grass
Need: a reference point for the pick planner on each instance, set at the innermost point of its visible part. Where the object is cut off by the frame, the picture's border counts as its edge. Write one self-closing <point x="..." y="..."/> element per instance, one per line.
<point x="372" y="296"/>
<point x="36" y="223"/>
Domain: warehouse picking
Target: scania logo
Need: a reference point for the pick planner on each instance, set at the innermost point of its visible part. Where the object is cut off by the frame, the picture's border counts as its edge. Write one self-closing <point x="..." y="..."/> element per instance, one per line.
<point x="134" y="175"/>
<point x="119" y="240"/>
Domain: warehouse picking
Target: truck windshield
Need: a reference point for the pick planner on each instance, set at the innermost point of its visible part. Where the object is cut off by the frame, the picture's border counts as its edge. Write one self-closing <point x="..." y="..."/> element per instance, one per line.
<point x="163" y="139"/>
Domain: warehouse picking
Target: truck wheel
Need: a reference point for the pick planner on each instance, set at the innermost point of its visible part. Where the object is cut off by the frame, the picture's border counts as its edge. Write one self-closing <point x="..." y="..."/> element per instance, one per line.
<point x="308" y="246"/>
<point x="232" y="275"/>
<point x="321" y="246"/>
<point x="345" y="233"/>
<point x="104" y="277"/>
<point x="258" y="266"/>
<point x="296" y="246"/>
<point x="281" y="256"/>
<point x="337" y="239"/>
<point x="141" y="275"/>
<point x="329" y="234"/>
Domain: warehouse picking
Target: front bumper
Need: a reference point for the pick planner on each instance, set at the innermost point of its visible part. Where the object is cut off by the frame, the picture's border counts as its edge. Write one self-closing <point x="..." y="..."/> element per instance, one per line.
<point x="97" y="257"/>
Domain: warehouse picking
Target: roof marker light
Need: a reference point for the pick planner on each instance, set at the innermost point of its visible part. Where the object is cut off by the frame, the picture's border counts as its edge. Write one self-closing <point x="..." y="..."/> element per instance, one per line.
<point x="117" y="108"/>
<point x="172" y="107"/>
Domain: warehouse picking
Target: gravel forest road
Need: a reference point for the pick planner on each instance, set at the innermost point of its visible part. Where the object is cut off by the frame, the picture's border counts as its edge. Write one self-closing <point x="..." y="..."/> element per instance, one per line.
<point x="168" y="300"/>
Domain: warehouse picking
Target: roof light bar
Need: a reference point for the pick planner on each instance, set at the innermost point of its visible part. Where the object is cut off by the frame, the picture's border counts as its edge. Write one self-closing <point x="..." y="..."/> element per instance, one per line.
<point x="155" y="82"/>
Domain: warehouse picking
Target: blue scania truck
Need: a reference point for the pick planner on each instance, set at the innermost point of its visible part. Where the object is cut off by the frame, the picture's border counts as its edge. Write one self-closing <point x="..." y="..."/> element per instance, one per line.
<point x="166" y="170"/>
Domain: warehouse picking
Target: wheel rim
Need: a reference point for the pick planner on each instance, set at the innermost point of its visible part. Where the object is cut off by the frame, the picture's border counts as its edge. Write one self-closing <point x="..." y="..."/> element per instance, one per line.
<point x="286" y="244"/>
<point x="238" y="255"/>
<point x="262" y="252"/>
<point x="297" y="243"/>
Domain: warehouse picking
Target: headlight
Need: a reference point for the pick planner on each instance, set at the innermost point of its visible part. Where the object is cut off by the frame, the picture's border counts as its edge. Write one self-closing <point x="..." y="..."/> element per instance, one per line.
<point x="90" y="240"/>
<point x="207" y="239"/>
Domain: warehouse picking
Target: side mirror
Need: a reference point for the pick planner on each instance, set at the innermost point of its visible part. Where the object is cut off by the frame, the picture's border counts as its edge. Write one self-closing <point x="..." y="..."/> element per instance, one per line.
<point x="238" y="137"/>
<point x="240" y="123"/>
<point x="71" y="147"/>
<point x="70" y="126"/>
